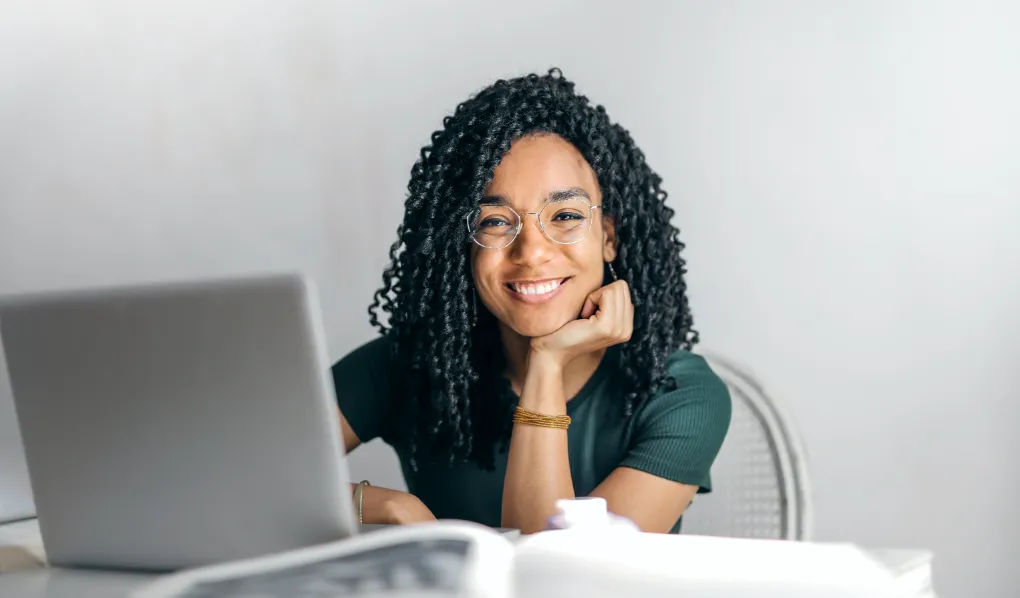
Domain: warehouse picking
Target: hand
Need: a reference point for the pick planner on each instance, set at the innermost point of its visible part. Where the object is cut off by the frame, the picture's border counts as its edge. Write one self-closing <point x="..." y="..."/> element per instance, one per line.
<point x="404" y="509"/>
<point x="392" y="507"/>
<point x="607" y="319"/>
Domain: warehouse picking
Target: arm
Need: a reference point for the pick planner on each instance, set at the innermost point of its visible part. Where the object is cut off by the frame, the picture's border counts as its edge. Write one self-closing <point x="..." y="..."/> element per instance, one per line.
<point x="538" y="468"/>
<point x="653" y="503"/>
<point x="538" y="465"/>
<point x="361" y="380"/>
<point x="382" y="505"/>
<point x="538" y="473"/>
<point x="678" y="435"/>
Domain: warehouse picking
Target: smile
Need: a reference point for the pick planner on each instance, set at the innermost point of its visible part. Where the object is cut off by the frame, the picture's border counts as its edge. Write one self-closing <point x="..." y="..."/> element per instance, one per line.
<point x="536" y="291"/>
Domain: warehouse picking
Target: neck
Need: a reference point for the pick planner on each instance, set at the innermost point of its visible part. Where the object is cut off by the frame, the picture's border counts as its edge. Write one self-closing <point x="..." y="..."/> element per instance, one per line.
<point x="517" y="349"/>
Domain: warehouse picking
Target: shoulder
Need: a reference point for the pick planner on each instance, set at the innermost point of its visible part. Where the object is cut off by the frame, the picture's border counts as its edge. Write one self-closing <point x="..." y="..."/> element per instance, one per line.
<point x="699" y="400"/>
<point x="367" y="370"/>
<point x="365" y="387"/>
<point x="694" y="376"/>
<point x="374" y="353"/>
<point x="679" y="430"/>
<point x="694" y="372"/>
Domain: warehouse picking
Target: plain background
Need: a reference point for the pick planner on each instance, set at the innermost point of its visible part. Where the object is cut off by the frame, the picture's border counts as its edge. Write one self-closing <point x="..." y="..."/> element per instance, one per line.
<point x="846" y="176"/>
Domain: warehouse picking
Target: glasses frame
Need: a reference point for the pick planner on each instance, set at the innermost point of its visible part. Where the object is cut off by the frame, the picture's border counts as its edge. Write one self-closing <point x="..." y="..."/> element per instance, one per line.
<point x="538" y="217"/>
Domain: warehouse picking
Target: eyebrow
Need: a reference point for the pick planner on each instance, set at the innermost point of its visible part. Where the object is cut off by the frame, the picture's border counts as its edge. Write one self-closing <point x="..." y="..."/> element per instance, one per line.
<point x="558" y="195"/>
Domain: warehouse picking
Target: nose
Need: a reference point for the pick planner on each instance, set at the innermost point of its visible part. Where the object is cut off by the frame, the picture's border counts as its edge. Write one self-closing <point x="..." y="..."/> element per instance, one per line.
<point x="531" y="247"/>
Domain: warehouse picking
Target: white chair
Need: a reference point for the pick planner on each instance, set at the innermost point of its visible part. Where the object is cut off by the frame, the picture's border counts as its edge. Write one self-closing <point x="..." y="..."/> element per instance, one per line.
<point x="760" y="485"/>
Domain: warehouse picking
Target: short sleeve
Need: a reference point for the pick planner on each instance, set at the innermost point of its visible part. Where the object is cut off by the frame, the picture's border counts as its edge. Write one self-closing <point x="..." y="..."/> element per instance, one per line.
<point x="364" y="388"/>
<point x="677" y="434"/>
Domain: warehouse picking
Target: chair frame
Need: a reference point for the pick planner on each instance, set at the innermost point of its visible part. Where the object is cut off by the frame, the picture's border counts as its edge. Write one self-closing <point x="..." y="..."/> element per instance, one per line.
<point x="787" y="449"/>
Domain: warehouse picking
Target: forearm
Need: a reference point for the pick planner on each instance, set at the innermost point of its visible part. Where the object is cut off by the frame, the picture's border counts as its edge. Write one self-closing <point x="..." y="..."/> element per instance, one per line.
<point x="382" y="505"/>
<point x="538" y="466"/>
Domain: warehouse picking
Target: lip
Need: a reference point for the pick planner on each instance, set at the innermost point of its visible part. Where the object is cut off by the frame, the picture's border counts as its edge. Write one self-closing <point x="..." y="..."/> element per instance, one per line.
<point x="535" y="299"/>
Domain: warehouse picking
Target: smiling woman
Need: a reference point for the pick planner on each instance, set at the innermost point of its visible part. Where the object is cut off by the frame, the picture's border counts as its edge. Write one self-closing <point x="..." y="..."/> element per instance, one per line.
<point x="517" y="279"/>
<point x="538" y="337"/>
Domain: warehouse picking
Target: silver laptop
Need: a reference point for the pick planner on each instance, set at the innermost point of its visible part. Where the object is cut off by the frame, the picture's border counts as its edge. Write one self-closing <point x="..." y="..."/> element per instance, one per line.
<point x="15" y="490"/>
<point x="177" y="425"/>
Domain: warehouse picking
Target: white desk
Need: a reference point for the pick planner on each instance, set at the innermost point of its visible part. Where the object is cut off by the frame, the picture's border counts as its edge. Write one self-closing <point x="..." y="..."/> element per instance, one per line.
<point x="62" y="583"/>
<point x="36" y="581"/>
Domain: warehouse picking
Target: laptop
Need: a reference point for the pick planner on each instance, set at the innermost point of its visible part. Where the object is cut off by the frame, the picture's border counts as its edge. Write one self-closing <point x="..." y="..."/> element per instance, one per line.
<point x="15" y="491"/>
<point x="177" y="425"/>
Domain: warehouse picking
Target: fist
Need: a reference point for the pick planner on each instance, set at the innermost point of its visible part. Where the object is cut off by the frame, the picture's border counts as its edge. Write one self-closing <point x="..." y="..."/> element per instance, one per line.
<point x="607" y="319"/>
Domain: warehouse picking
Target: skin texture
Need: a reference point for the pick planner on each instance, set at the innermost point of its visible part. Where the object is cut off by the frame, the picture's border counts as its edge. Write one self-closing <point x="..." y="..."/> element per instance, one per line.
<point x="470" y="348"/>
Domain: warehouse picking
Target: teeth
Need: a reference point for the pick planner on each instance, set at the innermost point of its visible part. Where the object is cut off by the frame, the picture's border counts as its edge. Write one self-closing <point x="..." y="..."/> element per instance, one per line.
<point x="535" y="289"/>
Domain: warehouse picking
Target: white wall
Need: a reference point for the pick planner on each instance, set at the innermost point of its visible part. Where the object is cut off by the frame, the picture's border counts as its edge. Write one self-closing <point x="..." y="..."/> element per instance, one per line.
<point x="847" y="176"/>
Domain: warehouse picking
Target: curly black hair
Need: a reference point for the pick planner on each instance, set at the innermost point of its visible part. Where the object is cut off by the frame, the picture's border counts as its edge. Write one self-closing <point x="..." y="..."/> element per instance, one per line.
<point x="455" y="401"/>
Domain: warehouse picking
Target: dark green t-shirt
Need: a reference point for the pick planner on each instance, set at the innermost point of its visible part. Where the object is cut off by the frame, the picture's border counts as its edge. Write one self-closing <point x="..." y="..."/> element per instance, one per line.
<point x="675" y="435"/>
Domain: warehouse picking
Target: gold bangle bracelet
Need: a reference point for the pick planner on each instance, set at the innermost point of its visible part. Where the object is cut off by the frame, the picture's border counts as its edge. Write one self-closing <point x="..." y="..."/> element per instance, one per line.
<point x="528" y="417"/>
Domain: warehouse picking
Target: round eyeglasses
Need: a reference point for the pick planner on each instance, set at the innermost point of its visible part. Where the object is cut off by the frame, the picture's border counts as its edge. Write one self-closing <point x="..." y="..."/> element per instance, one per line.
<point x="563" y="221"/>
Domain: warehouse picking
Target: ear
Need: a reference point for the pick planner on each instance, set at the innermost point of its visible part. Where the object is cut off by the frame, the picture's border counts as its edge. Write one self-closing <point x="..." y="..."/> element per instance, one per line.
<point x="608" y="238"/>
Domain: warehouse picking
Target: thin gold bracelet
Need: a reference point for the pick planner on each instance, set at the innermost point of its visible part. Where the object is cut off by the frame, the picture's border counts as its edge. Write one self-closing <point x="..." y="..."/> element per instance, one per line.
<point x="528" y="417"/>
<point x="359" y="499"/>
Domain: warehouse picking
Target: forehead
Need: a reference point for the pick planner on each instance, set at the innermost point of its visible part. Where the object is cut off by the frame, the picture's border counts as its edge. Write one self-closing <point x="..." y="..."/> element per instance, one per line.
<point x="538" y="165"/>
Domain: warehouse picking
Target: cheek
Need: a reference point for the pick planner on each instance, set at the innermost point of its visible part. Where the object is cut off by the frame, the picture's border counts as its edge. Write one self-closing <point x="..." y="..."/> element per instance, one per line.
<point x="485" y="267"/>
<point x="589" y="266"/>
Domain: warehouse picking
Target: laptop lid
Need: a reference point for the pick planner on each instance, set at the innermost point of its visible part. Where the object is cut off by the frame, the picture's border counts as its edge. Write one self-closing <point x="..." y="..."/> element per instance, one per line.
<point x="178" y="425"/>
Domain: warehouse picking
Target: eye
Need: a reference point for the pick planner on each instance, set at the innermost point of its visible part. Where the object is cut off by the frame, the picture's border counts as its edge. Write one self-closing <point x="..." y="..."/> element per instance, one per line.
<point x="568" y="215"/>
<point x="493" y="222"/>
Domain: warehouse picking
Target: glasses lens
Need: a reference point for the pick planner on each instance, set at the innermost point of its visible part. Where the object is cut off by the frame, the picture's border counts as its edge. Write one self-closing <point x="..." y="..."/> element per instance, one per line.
<point x="567" y="221"/>
<point x="494" y="226"/>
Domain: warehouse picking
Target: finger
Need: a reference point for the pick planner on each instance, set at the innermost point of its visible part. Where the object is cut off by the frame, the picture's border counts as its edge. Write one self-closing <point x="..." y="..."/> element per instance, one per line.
<point x="591" y="303"/>
<point x="605" y="315"/>
<point x="625" y="317"/>
<point x="589" y="308"/>
<point x="630" y="318"/>
<point x="625" y="290"/>
<point x="615" y="295"/>
<point x="623" y="314"/>
<point x="630" y="314"/>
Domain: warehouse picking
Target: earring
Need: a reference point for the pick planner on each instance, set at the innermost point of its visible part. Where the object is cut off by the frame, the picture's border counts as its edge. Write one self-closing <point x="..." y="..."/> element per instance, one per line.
<point x="612" y="272"/>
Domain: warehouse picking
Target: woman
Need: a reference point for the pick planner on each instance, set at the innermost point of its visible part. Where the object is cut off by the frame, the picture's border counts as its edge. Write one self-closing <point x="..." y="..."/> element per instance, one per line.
<point x="538" y="334"/>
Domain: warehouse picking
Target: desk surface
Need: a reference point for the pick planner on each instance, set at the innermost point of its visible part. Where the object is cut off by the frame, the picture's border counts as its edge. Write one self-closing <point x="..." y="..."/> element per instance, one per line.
<point x="33" y="581"/>
<point x="65" y="583"/>
<point x="62" y="583"/>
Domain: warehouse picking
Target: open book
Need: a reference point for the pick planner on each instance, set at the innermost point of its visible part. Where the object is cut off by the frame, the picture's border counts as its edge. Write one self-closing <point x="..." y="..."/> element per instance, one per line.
<point x="463" y="559"/>
<point x="439" y="559"/>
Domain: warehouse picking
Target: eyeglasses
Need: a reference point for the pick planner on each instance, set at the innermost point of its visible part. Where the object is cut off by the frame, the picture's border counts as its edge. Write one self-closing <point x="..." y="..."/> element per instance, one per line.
<point x="564" y="221"/>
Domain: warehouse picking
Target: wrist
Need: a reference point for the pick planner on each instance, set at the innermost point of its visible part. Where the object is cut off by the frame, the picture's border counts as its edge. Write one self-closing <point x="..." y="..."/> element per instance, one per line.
<point x="546" y="361"/>
<point x="543" y="385"/>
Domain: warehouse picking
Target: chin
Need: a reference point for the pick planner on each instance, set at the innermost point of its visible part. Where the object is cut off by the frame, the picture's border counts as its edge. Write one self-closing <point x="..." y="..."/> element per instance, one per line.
<point x="539" y="328"/>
